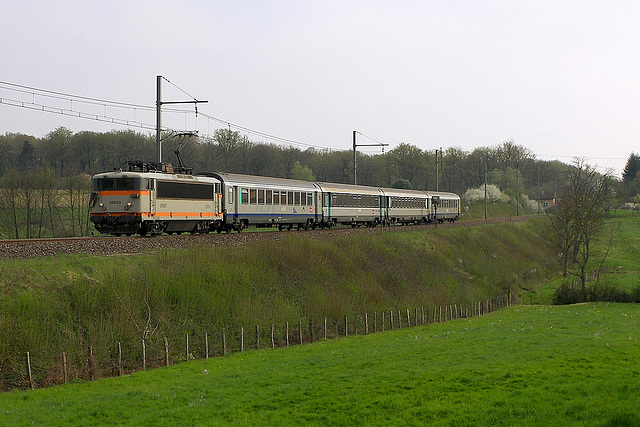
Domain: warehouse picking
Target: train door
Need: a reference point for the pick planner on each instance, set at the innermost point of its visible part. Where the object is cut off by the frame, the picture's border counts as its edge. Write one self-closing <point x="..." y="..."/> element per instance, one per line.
<point x="317" y="201"/>
<point x="327" y="204"/>
<point x="386" y="202"/>
<point x="237" y="201"/>
<point x="152" y="196"/>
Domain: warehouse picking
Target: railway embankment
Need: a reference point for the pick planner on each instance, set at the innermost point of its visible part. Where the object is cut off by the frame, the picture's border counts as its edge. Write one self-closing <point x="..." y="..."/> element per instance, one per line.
<point x="74" y="302"/>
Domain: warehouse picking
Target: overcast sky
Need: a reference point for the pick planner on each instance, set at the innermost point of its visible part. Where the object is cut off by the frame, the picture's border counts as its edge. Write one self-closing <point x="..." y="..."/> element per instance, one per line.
<point x="558" y="77"/>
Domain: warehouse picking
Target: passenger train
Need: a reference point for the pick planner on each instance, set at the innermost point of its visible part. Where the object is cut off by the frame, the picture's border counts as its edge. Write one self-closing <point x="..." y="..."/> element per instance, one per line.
<point x="155" y="198"/>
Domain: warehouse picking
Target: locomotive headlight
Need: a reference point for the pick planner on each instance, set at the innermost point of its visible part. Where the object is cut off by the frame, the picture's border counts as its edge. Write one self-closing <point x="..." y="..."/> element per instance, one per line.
<point x="102" y="206"/>
<point x="126" y="208"/>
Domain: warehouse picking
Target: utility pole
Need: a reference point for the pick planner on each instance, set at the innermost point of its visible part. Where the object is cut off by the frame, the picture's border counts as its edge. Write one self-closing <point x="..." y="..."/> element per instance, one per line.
<point x="538" y="190"/>
<point x="517" y="193"/>
<point x="158" y="118"/>
<point x="355" y="167"/>
<point x="485" y="189"/>
<point x="436" y="169"/>
<point x="159" y="104"/>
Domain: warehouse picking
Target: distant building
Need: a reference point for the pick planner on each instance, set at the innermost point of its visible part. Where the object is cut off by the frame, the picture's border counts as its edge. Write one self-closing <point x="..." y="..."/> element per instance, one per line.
<point x="548" y="201"/>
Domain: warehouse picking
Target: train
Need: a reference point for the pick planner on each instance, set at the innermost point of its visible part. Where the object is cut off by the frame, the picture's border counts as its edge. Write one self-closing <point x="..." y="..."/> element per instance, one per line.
<point x="147" y="198"/>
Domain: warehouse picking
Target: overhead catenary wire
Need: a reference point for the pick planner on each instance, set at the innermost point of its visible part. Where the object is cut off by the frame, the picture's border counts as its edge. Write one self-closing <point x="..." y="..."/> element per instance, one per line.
<point x="33" y="105"/>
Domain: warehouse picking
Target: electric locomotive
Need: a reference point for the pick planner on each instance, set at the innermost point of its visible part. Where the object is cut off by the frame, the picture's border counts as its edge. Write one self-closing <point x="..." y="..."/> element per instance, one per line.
<point x="155" y="198"/>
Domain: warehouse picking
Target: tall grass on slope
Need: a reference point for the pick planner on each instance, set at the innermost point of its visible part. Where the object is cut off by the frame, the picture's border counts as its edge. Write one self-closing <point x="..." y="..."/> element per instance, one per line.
<point x="96" y="302"/>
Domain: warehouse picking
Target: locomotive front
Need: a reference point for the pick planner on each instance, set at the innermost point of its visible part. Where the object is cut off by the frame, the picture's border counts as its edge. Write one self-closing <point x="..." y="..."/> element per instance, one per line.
<point x="119" y="201"/>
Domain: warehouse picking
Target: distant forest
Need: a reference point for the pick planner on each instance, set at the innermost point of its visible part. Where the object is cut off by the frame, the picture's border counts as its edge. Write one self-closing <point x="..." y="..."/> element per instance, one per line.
<point x="62" y="154"/>
<point x="65" y="153"/>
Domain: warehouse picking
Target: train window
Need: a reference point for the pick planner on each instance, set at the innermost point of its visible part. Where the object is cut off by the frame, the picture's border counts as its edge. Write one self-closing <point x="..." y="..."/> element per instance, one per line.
<point x="309" y="199"/>
<point x="283" y="197"/>
<point x="245" y="196"/>
<point x="290" y="197"/>
<point x="103" y="184"/>
<point x="261" y="197"/>
<point x="124" y="183"/>
<point x="269" y="197"/>
<point x="184" y="190"/>
<point x="253" y="196"/>
<point x="230" y="201"/>
<point x="303" y="199"/>
<point x="276" y="197"/>
<point x="296" y="196"/>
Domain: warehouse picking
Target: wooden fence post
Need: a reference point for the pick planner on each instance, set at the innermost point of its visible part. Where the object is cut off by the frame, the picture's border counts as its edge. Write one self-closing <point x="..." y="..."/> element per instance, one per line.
<point x="65" y="371"/>
<point x="224" y="343"/>
<point x="408" y="319"/>
<point x="325" y="328"/>
<point x="119" y="359"/>
<point x="257" y="337"/>
<point x="186" y="348"/>
<point x="366" y="324"/>
<point x="287" y="333"/>
<point x="144" y="355"/>
<point x="345" y="326"/>
<point x="241" y="339"/>
<point x="166" y="351"/>
<point x="273" y="341"/>
<point x="30" y="376"/>
<point x="92" y="365"/>
<point x="300" y="330"/>
<point x="206" y="346"/>
<point x="391" y="319"/>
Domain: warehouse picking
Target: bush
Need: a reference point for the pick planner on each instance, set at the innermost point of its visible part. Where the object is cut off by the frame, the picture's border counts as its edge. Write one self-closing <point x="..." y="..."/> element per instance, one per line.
<point x="571" y="293"/>
<point x="493" y="193"/>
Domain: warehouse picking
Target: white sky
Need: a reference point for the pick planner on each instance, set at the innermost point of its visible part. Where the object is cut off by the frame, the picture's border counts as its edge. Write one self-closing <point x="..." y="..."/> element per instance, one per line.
<point x="558" y="77"/>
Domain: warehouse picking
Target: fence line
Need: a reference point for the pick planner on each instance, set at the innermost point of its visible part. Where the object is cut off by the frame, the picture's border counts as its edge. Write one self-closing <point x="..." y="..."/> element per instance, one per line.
<point x="60" y="369"/>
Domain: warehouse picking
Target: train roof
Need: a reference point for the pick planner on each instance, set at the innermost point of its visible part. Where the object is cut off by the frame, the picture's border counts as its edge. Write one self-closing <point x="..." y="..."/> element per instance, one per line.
<point x="263" y="181"/>
<point x="156" y="175"/>
<point x="443" y="194"/>
<point x="329" y="187"/>
<point x="402" y="192"/>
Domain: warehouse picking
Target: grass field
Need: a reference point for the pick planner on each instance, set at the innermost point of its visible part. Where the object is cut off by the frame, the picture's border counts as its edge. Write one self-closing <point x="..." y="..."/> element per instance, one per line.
<point x="527" y="365"/>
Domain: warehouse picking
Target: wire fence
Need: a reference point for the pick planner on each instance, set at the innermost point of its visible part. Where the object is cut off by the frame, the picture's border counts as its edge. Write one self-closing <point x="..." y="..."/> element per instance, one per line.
<point x="44" y="370"/>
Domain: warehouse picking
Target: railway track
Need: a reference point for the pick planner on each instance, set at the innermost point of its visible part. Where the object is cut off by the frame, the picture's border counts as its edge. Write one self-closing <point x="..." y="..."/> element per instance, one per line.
<point x="32" y="248"/>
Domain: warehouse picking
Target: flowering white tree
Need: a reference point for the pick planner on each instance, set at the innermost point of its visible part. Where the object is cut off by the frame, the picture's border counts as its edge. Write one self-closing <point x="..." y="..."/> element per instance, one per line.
<point x="493" y="193"/>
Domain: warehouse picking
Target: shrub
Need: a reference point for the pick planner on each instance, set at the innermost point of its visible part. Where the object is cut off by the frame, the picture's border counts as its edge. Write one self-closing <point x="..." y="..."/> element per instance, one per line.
<point x="493" y="193"/>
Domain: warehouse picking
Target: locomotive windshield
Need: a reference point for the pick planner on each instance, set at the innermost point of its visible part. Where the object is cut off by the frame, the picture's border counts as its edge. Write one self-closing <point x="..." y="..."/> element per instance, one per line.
<point x="101" y="184"/>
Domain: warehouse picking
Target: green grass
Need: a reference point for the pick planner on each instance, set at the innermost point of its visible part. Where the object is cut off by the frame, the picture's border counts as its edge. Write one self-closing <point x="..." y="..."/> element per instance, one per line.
<point x="67" y="303"/>
<point x="527" y="365"/>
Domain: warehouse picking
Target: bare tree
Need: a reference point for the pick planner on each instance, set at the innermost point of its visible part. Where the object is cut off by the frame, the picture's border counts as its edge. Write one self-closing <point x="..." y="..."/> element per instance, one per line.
<point x="579" y="220"/>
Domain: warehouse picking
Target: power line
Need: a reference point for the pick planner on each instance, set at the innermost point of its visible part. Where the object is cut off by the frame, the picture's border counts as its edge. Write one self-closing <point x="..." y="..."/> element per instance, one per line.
<point x="71" y="112"/>
<point x="266" y="135"/>
<point x="67" y="96"/>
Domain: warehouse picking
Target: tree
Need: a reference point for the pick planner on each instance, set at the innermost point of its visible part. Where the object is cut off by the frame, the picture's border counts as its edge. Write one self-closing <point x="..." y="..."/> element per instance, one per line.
<point x="631" y="177"/>
<point x="579" y="220"/>
<point x="410" y="164"/>
<point x="303" y="173"/>
<point x="402" y="184"/>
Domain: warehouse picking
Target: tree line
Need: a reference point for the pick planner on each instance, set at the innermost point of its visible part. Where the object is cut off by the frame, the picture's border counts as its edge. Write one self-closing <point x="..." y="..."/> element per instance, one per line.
<point x="44" y="177"/>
